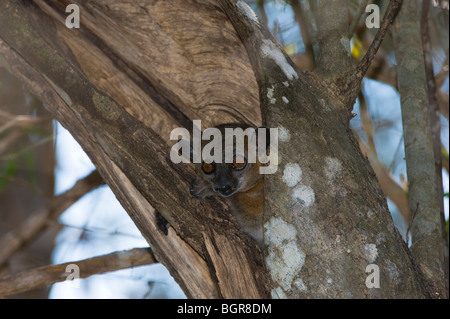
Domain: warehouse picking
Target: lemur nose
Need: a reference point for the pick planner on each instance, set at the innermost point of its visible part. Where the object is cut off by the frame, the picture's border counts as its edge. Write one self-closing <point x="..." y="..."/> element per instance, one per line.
<point x="222" y="188"/>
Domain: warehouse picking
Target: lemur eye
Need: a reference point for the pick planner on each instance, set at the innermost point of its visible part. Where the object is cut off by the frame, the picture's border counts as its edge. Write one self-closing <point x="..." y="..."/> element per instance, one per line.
<point x="239" y="162"/>
<point x="207" y="168"/>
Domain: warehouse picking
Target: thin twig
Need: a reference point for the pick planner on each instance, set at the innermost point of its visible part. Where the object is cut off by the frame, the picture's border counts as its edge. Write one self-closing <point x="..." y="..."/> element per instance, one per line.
<point x="22" y="121"/>
<point x="366" y="123"/>
<point x="349" y="83"/>
<point x="391" y="12"/>
<point x="36" y="222"/>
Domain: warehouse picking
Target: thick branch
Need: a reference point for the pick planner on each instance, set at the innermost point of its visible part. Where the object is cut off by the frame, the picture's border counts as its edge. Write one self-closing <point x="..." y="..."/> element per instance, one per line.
<point x="324" y="190"/>
<point x="133" y="159"/>
<point x="332" y="215"/>
<point x="392" y="190"/>
<point x="195" y="280"/>
<point x="426" y="228"/>
<point x="334" y="55"/>
<point x="48" y="275"/>
<point x="435" y="126"/>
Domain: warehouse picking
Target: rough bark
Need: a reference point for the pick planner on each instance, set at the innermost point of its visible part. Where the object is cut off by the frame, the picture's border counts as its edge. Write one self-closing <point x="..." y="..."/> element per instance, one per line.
<point x="334" y="55"/>
<point x="326" y="219"/>
<point x="435" y="123"/>
<point x="135" y="70"/>
<point x="115" y="59"/>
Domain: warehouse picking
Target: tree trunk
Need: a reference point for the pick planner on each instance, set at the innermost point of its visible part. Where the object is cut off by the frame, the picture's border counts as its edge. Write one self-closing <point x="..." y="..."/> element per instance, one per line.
<point x="120" y="96"/>
<point x="326" y="219"/>
<point x="135" y="70"/>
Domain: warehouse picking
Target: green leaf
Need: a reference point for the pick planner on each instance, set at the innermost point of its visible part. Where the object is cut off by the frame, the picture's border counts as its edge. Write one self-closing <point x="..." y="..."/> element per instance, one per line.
<point x="8" y="170"/>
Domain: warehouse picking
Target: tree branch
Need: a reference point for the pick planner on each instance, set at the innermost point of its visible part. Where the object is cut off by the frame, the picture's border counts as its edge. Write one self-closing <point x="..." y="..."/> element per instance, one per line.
<point x="426" y="230"/>
<point x="435" y="126"/>
<point x="349" y="84"/>
<point x="390" y="187"/>
<point x="334" y="54"/>
<point x="108" y="117"/>
<point x="308" y="27"/>
<point x="309" y="191"/>
<point x="30" y="228"/>
<point x="48" y="275"/>
<point x="103" y="116"/>
<point x="391" y="11"/>
<point x="358" y="14"/>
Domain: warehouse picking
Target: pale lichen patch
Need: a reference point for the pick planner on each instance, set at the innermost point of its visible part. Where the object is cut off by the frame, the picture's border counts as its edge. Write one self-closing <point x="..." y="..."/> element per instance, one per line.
<point x="370" y="214"/>
<point x="393" y="271"/>
<point x="285" y="100"/>
<point x="270" y="95"/>
<point x="270" y="50"/>
<point x="381" y="239"/>
<point x="304" y="195"/>
<point x="285" y="259"/>
<point x="247" y="11"/>
<point x="278" y="293"/>
<point x="345" y="42"/>
<point x="292" y="174"/>
<point x="300" y="285"/>
<point x="370" y="251"/>
<point x="333" y="167"/>
<point x="283" y="134"/>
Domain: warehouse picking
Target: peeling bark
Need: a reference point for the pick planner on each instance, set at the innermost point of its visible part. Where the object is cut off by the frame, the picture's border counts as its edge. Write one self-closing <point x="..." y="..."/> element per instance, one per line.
<point x="84" y="77"/>
<point x="135" y="70"/>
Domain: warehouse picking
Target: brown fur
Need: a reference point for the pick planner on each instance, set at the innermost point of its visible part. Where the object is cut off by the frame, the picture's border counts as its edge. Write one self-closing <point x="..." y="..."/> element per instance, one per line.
<point x="244" y="190"/>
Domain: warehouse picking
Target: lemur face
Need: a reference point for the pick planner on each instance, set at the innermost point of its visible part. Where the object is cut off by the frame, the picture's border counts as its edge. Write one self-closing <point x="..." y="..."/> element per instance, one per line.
<point x="226" y="179"/>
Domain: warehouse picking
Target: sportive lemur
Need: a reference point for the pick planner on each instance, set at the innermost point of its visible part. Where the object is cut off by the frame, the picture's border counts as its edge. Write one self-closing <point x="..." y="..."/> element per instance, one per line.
<point x="240" y="182"/>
